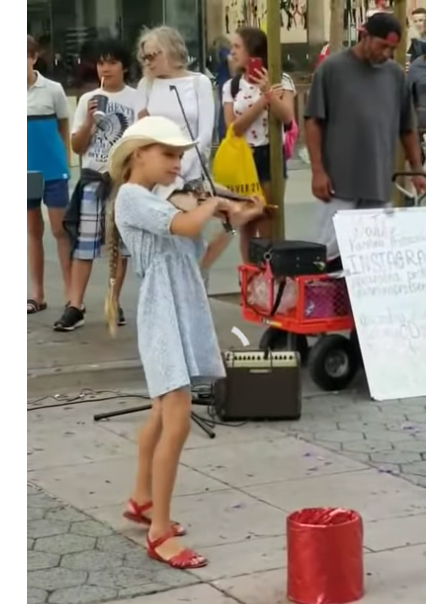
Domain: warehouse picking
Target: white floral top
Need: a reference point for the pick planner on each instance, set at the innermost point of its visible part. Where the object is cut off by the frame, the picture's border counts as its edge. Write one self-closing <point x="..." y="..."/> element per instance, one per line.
<point x="248" y="94"/>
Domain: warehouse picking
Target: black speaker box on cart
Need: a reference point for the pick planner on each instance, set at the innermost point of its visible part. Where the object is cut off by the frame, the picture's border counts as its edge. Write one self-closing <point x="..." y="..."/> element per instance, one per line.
<point x="288" y="258"/>
<point x="259" y="385"/>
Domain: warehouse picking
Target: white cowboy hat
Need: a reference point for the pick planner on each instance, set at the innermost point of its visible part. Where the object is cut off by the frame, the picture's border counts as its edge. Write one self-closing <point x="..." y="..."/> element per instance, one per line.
<point x="150" y="130"/>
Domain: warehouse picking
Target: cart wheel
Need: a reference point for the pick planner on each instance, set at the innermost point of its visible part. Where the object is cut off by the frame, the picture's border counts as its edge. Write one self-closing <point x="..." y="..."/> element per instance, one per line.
<point x="333" y="362"/>
<point x="277" y="339"/>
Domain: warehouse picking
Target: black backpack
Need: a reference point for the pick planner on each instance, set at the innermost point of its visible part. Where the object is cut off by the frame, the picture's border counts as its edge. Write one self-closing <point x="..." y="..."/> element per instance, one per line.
<point x="235" y="85"/>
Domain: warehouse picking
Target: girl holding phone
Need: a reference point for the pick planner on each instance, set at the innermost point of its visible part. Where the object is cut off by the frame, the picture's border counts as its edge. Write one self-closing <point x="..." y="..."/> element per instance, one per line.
<point x="247" y="100"/>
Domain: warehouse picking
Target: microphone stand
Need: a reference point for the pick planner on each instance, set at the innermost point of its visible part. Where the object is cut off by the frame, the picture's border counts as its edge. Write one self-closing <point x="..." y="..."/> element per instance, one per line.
<point x="226" y="224"/>
<point x="204" y="397"/>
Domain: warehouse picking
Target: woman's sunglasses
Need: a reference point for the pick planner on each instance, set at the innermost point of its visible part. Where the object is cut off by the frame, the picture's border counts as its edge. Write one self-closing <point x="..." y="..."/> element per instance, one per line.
<point x="151" y="56"/>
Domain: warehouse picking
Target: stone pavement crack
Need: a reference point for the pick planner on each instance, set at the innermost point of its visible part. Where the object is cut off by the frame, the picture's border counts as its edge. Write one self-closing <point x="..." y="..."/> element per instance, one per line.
<point x="74" y="559"/>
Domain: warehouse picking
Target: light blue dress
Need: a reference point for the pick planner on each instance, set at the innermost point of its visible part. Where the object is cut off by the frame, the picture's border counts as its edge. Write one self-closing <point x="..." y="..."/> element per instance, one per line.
<point x="176" y="336"/>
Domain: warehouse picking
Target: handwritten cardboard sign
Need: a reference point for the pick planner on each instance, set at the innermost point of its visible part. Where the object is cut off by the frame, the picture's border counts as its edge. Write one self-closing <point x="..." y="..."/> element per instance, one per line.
<point x="384" y="258"/>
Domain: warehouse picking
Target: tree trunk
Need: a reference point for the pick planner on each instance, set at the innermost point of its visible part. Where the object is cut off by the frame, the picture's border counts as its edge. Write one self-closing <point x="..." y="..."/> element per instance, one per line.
<point x="275" y="133"/>
<point x="316" y="35"/>
<point x="400" y="56"/>
<point x="400" y="14"/>
<point x="336" y="25"/>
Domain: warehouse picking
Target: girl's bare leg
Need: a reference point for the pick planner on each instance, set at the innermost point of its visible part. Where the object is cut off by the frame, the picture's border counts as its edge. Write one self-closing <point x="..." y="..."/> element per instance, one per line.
<point x="176" y="418"/>
<point x="35" y="230"/>
<point x="121" y="271"/>
<point x="247" y="232"/>
<point x="148" y="439"/>
<point x="56" y="217"/>
<point x="266" y="226"/>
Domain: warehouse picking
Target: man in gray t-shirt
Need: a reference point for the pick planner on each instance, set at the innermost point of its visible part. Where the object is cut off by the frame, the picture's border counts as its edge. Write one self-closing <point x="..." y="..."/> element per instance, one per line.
<point x="358" y="107"/>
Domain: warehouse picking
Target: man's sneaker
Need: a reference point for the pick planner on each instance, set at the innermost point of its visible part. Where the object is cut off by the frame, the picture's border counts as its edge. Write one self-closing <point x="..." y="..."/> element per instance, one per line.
<point x="121" y="317"/>
<point x="71" y="319"/>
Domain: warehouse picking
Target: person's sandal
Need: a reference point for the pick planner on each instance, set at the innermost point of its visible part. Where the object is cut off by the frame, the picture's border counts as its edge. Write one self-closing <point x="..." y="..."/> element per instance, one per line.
<point x="187" y="559"/>
<point x="136" y="513"/>
<point x="33" y="306"/>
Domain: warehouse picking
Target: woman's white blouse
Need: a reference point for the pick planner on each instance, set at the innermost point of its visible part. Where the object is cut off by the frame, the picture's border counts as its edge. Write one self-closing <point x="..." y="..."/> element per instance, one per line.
<point x="196" y="94"/>
<point x="257" y="135"/>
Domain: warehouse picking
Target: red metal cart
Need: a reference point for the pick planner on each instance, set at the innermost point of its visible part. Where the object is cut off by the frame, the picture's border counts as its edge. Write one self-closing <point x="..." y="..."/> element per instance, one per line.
<point x="321" y="308"/>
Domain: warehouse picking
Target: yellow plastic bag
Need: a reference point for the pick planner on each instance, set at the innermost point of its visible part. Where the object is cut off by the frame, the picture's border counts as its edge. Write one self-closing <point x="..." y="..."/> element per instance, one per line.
<point x="234" y="166"/>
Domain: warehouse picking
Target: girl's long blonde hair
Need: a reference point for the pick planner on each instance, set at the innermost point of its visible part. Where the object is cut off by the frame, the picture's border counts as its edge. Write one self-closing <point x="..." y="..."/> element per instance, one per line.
<point x="113" y="240"/>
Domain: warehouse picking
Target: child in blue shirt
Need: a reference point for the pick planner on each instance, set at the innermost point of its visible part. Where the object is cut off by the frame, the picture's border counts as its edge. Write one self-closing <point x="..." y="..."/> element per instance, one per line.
<point x="47" y="153"/>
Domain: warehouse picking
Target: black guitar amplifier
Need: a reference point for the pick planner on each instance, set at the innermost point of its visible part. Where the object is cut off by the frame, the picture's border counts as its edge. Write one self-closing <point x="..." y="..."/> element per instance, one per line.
<point x="259" y="385"/>
<point x="288" y="258"/>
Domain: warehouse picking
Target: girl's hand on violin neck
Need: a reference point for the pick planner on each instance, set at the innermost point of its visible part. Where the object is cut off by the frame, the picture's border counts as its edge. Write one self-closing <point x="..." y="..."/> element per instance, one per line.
<point x="253" y="208"/>
<point x="256" y="204"/>
<point x="247" y="212"/>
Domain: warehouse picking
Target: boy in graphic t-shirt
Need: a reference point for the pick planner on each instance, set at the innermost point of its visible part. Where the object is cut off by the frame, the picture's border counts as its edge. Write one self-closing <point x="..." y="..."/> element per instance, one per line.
<point x="93" y="135"/>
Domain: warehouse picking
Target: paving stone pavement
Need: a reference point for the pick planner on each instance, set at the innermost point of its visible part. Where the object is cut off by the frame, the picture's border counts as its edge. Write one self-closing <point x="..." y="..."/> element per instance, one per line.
<point x="390" y="436"/>
<point x="85" y="553"/>
<point x="73" y="559"/>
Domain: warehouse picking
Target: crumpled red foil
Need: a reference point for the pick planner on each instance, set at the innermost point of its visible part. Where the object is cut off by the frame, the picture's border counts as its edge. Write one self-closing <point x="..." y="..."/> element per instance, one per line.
<point x="325" y="556"/>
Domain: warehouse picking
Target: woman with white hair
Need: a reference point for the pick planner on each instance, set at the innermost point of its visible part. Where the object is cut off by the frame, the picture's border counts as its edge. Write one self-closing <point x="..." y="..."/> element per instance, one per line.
<point x="164" y="57"/>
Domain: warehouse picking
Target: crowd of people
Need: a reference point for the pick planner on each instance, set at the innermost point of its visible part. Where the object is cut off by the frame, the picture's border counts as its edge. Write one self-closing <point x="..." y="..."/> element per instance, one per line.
<point x="143" y="153"/>
<point x="167" y="89"/>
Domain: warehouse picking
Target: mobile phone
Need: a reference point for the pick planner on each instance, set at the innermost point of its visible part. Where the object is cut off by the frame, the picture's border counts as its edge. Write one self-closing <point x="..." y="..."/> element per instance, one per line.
<point x="255" y="65"/>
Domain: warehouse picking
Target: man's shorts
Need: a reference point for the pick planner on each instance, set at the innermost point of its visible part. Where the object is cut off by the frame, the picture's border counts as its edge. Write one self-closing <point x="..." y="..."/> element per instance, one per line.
<point x="55" y="196"/>
<point x="326" y="212"/>
<point x="91" y="229"/>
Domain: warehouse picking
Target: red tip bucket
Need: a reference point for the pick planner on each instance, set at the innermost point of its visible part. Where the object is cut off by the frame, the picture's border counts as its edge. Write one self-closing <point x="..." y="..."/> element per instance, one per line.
<point x="325" y="556"/>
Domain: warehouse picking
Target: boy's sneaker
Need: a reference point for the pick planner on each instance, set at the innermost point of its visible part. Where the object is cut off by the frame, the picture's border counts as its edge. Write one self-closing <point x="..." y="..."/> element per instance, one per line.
<point x="121" y="317"/>
<point x="83" y="308"/>
<point x="71" y="319"/>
